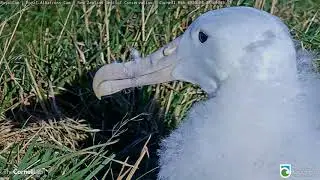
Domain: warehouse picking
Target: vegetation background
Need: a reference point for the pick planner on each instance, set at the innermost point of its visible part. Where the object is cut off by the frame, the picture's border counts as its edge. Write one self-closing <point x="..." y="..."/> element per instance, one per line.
<point x="51" y="124"/>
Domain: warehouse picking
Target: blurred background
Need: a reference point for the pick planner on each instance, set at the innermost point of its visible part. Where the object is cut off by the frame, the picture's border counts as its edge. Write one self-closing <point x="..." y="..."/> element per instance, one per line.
<point x="51" y="124"/>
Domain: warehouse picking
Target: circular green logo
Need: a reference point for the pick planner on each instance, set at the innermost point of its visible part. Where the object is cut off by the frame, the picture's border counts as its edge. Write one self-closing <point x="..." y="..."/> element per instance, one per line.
<point x="285" y="170"/>
<point x="285" y="173"/>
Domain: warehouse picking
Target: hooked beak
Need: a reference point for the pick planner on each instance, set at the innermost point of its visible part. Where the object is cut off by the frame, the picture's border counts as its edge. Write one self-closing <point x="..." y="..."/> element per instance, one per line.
<point x="155" y="68"/>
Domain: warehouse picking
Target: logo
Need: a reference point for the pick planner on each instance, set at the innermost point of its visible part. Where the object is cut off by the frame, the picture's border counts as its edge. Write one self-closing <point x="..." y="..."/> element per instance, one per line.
<point x="285" y="170"/>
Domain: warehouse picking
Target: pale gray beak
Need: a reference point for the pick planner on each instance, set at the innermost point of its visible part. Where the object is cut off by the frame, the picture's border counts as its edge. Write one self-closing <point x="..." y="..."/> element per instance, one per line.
<point x="155" y="68"/>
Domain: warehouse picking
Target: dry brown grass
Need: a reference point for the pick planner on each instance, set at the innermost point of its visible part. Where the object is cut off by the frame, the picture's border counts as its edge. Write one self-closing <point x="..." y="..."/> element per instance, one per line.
<point x="66" y="132"/>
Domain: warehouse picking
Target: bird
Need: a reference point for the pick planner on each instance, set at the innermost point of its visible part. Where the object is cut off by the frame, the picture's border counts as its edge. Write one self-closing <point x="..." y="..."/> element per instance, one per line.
<point x="261" y="118"/>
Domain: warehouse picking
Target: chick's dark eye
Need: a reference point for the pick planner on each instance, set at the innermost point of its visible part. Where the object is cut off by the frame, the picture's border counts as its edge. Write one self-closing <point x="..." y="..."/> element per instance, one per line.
<point x="202" y="37"/>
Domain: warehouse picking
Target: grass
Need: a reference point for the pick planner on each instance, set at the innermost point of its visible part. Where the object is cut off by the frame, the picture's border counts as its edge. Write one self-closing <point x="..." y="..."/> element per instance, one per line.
<point x="50" y="119"/>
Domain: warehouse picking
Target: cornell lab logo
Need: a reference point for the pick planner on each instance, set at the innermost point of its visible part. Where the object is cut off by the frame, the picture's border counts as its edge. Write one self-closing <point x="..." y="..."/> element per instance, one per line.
<point x="285" y="170"/>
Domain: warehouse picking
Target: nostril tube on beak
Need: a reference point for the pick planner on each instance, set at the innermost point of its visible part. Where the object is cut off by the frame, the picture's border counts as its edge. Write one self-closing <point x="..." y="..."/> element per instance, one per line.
<point x="169" y="50"/>
<point x="135" y="55"/>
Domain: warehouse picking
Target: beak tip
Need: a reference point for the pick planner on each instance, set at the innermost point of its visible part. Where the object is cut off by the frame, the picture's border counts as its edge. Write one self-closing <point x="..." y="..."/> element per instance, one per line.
<point x="98" y="96"/>
<point x="96" y="93"/>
